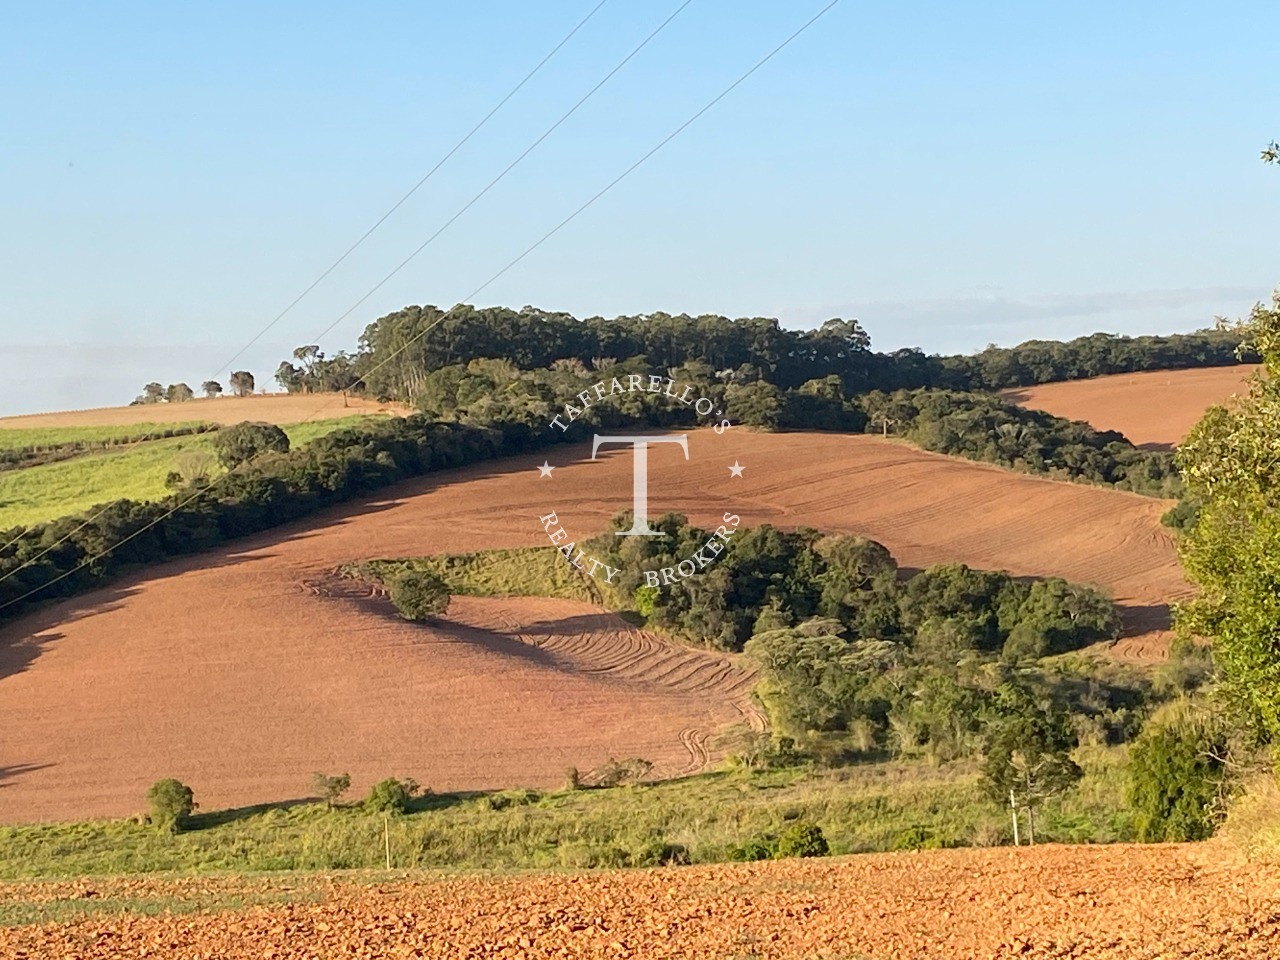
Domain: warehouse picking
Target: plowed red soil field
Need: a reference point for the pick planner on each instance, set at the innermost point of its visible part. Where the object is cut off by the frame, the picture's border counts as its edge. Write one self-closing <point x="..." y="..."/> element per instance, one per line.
<point x="1153" y="409"/>
<point x="243" y="670"/>
<point x="1046" y="903"/>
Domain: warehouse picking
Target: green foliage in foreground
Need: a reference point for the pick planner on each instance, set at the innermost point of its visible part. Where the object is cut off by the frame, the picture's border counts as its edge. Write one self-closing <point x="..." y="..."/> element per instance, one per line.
<point x="859" y="809"/>
<point x="1176" y="776"/>
<point x="1231" y="464"/>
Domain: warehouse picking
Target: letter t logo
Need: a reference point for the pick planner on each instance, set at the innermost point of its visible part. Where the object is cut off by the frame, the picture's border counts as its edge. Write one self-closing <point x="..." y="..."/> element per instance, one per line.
<point x="640" y="477"/>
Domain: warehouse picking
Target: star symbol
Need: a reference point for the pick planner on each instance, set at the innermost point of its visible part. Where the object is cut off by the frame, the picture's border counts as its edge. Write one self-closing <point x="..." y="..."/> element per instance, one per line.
<point x="736" y="470"/>
<point x="545" y="470"/>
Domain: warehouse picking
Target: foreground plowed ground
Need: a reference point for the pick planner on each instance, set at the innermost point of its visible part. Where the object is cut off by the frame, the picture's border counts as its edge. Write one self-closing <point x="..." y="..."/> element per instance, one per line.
<point x="1047" y="903"/>
<point x="1153" y="409"/>
<point x="241" y="672"/>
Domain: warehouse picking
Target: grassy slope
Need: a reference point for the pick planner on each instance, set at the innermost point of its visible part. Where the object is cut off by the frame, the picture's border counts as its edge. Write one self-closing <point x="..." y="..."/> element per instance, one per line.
<point x="16" y="439"/>
<point x="37" y="494"/>
<point x="862" y="808"/>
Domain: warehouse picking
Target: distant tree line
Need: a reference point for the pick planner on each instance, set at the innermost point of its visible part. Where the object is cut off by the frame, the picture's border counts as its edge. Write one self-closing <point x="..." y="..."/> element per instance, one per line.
<point x="242" y="384"/>
<point x="397" y="352"/>
<point x="984" y="427"/>
<point x="768" y="579"/>
<point x="978" y="426"/>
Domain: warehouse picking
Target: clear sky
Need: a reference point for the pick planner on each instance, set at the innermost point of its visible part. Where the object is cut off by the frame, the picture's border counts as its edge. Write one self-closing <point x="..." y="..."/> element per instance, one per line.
<point x="172" y="175"/>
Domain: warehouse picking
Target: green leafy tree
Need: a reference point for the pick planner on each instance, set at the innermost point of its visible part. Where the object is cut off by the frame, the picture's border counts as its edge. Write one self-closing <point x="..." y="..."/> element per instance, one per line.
<point x="152" y="393"/>
<point x="1028" y="750"/>
<point x="245" y="441"/>
<point x="178" y="393"/>
<point x="1176" y="773"/>
<point x="419" y="595"/>
<point x="242" y="383"/>
<point x="1231" y="465"/>
<point x="211" y="389"/>
<point x="758" y="404"/>
<point x="801" y="840"/>
<point x="331" y="788"/>
<point x="392" y="795"/>
<point x="172" y="803"/>
<point x="289" y="377"/>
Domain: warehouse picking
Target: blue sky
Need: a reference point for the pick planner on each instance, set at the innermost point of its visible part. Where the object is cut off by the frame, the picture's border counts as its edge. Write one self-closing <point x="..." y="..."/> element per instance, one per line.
<point x="172" y="175"/>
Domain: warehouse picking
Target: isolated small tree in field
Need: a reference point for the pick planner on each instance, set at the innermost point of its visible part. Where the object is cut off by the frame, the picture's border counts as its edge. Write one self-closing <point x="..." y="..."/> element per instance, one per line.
<point x="242" y="383"/>
<point x="211" y="389"/>
<point x="391" y="795"/>
<point x="801" y="840"/>
<point x="419" y="595"/>
<point x="172" y="803"/>
<point x="178" y="393"/>
<point x="331" y="788"/>
<point x="238" y="444"/>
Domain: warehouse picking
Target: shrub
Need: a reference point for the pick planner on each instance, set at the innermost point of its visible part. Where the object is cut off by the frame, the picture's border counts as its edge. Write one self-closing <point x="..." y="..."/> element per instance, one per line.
<point x="659" y="853"/>
<point x="391" y="795"/>
<point x="245" y="441"/>
<point x="801" y="840"/>
<point x="1176" y="774"/>
<point x="917" y="837"/>
<point x="763" y="847"/>
<point x="419" y="595"/>
<point x="172" y="803"/>
<point x="615" y="773"/>
<point x="505" y="799"/>
<point x="331" y="788"/>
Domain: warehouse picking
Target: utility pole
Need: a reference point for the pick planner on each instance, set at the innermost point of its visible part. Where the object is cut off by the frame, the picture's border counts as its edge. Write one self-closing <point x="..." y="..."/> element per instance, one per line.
<point x="1013" y="807"/>
<point x="884" y="424"/>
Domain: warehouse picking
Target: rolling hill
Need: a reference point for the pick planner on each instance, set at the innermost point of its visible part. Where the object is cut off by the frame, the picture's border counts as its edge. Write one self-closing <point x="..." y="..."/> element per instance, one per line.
<point x="1154" y="410"/>
<point x="243" y="670"/>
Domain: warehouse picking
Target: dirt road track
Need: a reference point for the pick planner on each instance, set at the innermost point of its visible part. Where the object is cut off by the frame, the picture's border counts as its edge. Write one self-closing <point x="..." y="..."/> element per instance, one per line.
<point x="1047" y="903"/>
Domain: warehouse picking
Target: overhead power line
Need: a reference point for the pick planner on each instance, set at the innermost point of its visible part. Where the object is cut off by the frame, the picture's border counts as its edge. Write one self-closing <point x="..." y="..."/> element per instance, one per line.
<point x="338" y="262"/>
<point x="530" y="249"/>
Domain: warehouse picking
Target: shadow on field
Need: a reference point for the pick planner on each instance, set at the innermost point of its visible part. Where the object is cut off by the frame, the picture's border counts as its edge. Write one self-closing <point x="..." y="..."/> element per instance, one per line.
<point x="1143" y="619"/>
<point x="218" y="818"/>
<point x="575" y="626"/>
<point x="23" y="640"/>
<point x="18" y="653"/>
<point x="18" y="769"/>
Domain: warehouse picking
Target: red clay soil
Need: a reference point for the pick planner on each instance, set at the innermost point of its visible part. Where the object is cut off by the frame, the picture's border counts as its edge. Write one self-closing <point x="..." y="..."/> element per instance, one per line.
<point x="1046" y="903"/>
<point x="235" y="672"/>
<point x="1153" y="409"/>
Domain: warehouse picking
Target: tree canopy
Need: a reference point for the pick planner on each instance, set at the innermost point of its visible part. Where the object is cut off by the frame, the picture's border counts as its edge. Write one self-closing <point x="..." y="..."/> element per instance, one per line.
<point x="1231" y="465"/>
